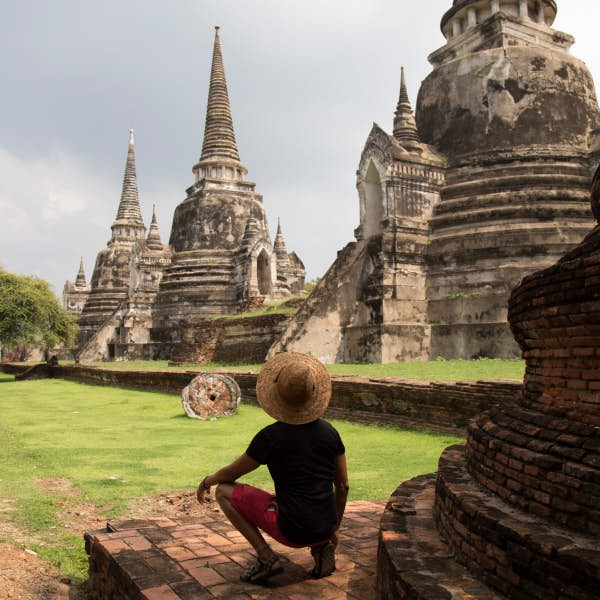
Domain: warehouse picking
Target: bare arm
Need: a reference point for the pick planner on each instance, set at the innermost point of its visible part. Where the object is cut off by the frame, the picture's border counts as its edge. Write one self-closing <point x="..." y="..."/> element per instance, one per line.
<point x="228" y="474"/>
<point x="341" y="486"/>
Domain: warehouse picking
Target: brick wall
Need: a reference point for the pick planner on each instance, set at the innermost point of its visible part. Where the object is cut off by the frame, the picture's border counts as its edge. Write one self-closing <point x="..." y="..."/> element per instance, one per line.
<point x="440" y="407"/>
<point x="245" y="340"/>
<point x="517" y="555"/>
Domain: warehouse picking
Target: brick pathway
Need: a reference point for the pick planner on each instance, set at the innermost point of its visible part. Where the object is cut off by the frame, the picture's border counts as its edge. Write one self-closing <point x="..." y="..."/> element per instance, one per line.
<point x="192" y="558"/>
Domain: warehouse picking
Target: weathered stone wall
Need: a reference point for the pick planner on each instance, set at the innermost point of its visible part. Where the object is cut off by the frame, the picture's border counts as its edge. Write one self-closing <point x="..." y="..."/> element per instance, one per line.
<point x="318" y="326"/>
<point x="513" y="113"/>
<point x="473" y="340"/>
<point x="441" y="407"/>
<point x="246" y="340"/>
<point x="506" y="96"/>
<point x="502" y="215"/>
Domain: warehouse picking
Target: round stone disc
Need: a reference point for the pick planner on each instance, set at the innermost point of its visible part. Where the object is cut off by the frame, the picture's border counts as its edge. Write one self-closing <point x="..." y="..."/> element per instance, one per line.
<point x="211" y="395"/>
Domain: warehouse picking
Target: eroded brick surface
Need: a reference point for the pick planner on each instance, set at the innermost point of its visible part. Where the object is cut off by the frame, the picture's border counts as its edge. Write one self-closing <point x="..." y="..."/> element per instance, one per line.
<point x="186" y="559"/>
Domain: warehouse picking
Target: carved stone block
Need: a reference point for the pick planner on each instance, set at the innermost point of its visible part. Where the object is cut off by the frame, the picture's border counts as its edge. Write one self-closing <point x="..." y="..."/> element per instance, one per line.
<point x="211" y="395"/>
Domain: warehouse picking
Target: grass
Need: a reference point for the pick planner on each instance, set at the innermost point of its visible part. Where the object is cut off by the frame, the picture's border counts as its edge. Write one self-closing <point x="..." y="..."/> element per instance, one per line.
<point x="436" y="370"/>
<point x="114" y="445"/>
<point x="439" y="370"/>
<point x="285" y="306"/>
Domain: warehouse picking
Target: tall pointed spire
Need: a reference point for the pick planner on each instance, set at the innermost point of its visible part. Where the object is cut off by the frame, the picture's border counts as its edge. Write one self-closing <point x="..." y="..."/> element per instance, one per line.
<point x="279" y="244"/>
<point x="154" y="242"/>
<point x="219" y="137"/>
<point x="80" y="281"/>
<point x="405" y="127"/>
<point x="129" y="206"/>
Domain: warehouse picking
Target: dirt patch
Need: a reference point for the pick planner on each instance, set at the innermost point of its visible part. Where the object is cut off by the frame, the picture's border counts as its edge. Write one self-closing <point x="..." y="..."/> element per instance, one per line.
<point x="171" y="504"/>
<point x="24" y="576"/>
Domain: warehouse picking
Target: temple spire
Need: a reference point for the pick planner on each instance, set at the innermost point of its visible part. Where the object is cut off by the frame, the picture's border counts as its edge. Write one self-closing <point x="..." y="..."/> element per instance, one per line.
<point x="153" y="241"/>
<point x="80" y="280"/>
<point x="405" y="127"/>
<point x="219" y="137"/>
<point x="129" y="206"/>
<point x="279" y="245"/>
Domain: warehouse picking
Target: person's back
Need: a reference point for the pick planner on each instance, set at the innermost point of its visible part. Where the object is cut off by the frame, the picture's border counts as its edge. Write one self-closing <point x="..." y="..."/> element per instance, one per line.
<point x="302" y="462"/>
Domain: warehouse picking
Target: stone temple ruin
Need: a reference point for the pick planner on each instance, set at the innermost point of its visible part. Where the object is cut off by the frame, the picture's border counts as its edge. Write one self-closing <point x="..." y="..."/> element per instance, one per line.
<point x="126" y="277"/>
<point x="485" y="184"/>
<point x="146" y="296"/>
<point x="75" y="294"/>
<point x="518" y="504"/>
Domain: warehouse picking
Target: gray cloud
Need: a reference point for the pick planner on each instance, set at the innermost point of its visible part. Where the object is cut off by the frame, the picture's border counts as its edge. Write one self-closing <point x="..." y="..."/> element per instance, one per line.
<point x="306" y="79"/>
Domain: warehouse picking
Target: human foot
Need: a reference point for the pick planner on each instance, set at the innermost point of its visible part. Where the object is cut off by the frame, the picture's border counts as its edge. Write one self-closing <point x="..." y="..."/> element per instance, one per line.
<point x="261" y="570"/>
<point x="324" y="560"/>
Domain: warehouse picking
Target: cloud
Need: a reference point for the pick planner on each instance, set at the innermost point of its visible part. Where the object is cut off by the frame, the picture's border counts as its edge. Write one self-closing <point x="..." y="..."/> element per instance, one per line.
<point x="51" y="208"/>
<point x="16" y="224"/>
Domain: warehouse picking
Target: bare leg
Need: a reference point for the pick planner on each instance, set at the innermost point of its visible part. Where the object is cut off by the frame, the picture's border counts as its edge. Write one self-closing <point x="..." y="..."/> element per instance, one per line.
<point x="247" y="529"/>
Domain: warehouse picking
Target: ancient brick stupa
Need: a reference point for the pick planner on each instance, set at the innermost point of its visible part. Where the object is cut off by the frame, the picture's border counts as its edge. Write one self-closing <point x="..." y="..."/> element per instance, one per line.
<point x="519" y="504"/>
<point x="223" y="259"/>
<point x="75" y="294"/>
<point x="116" y="314"/>
<point x="485" y="184"/>
<point x="110" y="279"/>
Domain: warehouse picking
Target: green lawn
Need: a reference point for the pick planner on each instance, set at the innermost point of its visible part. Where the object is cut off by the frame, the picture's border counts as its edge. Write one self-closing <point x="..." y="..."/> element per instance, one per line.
<point x="114" y="445"/>
<point x="436" y="370"/>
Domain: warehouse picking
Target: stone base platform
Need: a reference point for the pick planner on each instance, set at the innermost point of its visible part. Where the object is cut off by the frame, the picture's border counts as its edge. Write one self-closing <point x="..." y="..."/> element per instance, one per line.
<point x="197" y="558"/>
<point x="414" y="562"/>
<point x="516" y="552"/>
<point x="445" y="537"/>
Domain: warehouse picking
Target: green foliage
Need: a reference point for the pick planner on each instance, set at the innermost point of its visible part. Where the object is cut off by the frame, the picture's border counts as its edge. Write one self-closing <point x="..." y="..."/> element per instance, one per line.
<point x="309" y="286"/>
<point x="115" y="445"/>
<point x="30" y="314"/>
<point x="286" y="306"/>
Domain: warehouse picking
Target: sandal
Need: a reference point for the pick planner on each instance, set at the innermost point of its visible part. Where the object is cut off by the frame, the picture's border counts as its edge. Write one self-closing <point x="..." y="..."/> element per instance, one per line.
<point x="261" y="571"/>
<point x="324" y="560"/>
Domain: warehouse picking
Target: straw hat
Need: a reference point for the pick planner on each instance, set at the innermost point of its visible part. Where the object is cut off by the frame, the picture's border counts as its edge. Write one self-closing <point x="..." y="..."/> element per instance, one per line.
<point x="293" y="388"/>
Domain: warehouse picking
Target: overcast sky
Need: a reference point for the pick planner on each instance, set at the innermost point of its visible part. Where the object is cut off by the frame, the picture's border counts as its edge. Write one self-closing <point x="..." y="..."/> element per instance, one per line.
<point x="306" y="78"/>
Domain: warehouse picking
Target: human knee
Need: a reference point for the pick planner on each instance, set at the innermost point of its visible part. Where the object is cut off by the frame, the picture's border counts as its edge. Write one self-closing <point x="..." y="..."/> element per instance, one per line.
<point x="222" y="492"/>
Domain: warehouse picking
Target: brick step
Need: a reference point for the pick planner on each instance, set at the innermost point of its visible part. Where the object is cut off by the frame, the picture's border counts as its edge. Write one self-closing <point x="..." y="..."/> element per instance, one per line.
<point x="531" y="433"/>
<point x="516" y="552"/>
<point x="413" y="561"/>
<point x="538" y="463"/>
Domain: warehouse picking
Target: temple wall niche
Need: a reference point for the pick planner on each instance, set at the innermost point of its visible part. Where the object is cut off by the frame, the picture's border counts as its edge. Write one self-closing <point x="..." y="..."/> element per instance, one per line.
<point x="263" y="273"/>
<point x="373" y="201"/>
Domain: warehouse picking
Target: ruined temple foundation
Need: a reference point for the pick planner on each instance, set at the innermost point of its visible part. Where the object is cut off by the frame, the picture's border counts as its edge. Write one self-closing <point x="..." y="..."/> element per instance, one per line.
<point x="517" y="506"/>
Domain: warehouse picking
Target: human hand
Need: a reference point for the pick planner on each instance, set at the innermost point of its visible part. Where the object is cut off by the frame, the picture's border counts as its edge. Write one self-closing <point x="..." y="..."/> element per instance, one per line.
<point x="203" y="492"/>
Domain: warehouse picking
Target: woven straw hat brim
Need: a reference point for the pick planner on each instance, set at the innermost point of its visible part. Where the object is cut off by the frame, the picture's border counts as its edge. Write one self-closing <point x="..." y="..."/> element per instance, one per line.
<point x="270" y="400"/>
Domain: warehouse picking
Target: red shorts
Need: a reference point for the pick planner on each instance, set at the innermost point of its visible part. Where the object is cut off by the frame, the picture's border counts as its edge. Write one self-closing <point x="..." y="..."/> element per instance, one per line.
<point x="260" y="508"/>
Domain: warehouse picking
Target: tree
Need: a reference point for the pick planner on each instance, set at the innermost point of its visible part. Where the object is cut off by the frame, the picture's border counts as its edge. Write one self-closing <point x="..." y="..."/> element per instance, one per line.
<point x="309" y="286"/>
<point x="31" y="315"/>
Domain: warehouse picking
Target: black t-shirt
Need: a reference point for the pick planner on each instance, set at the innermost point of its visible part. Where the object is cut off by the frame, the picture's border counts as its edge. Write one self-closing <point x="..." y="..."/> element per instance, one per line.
<point x="302" y="462"/>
